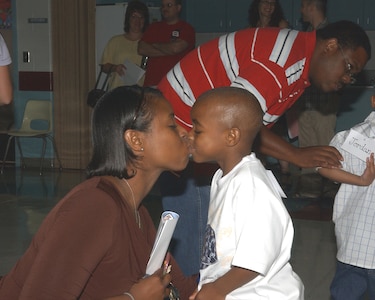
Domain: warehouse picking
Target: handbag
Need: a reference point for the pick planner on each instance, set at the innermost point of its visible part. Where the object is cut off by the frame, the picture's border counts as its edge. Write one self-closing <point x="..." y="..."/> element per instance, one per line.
<point x="95" y="94"/>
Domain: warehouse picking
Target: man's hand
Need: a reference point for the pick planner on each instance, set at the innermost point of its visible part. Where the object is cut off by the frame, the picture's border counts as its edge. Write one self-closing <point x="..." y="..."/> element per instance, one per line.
<point x="317" y="156"/>
<point x="275" y="146"/>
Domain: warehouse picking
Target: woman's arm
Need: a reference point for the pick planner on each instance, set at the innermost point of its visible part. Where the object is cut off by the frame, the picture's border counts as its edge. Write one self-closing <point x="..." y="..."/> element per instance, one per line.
<point x="152" y="287"/>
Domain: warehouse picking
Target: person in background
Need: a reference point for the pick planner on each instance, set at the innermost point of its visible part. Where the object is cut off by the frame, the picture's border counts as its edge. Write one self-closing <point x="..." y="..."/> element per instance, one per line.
<point x="96" y="242"/>
<point x="354" y="217"/>
<point x="275" y="65"/>
<point x="316" y="112"/>
<point x="6" y="86"/>
<point x="166" y="42"/>
<point x="124" y="46"/>
<point x="249" y="232"/>
<point x="266" y="13"/>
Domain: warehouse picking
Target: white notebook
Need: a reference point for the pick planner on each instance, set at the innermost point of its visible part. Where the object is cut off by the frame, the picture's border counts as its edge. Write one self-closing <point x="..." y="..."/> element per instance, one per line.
<point x="132" y="73"/>
<point x="164" y="234"/>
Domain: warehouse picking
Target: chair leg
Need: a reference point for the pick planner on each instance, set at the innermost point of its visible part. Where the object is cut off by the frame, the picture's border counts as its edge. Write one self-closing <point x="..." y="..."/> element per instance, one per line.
<point x="20" y="149"/>
<point x="52" y="139"/>
<point x="43" y="154"/>
<point x="6" y="153"/>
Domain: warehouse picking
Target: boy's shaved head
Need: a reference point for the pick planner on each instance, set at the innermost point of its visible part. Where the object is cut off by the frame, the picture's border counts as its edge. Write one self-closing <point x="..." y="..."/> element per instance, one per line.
<point x="234" y="108"/>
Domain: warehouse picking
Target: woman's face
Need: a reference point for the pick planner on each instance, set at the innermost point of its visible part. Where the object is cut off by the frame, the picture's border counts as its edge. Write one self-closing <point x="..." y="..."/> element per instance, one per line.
<point x="136" y="22"/>
<point x="165" y="144"/>
<point x="266" y="7"/>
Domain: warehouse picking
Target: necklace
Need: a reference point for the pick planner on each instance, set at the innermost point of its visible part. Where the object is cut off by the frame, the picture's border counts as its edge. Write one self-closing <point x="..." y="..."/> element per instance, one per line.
<point x="136" y="212"/>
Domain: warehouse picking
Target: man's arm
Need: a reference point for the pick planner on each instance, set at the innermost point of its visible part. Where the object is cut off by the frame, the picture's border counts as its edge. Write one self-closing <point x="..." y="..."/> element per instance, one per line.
<point x="147" y="49"/>
<point x="162" y="49"/>
<point x="173" y="47"/>
<point x="6" y="87"/>
<point x="339" y="175"/>
<point x="309" y="157"/>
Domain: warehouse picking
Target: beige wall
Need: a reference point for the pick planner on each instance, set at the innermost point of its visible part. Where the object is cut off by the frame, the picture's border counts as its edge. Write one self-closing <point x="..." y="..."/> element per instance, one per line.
<point x="34" y="37"/>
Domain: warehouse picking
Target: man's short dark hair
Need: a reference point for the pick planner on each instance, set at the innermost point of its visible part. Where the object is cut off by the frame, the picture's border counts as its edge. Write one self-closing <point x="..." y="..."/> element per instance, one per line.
<point x="348" y="35"/>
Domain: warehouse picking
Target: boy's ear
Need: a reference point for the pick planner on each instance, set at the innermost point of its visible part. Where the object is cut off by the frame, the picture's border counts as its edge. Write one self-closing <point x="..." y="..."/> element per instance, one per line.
<point x="233" y="136"/>
<point x="134" y="139"/>
<point x="373" y="101"/>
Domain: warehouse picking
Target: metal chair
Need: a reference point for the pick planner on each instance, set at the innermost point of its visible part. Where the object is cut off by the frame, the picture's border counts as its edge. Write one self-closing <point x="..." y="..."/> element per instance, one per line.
<point x="36" y="112"/>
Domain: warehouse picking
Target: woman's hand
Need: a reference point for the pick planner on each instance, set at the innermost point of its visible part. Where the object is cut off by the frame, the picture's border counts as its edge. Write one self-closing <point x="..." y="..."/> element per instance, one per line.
<point x="151" y="287"/>
<point x="119" y="69"/>
<point x="111" y="68"/>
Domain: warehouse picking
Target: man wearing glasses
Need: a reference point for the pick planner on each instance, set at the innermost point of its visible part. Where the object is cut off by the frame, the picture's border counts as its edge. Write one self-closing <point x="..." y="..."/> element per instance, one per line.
<point x="276" y="66"/>
<point x="165" y="42"/>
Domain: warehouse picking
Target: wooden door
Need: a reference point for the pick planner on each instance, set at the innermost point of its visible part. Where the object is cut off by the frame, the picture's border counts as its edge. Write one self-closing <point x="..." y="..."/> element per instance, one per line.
<point x="73" y="48"/>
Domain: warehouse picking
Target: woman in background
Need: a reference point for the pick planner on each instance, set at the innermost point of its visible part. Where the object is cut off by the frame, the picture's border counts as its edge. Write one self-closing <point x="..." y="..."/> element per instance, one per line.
<point x="266" y="13"/>
<point x="124" y="46"/>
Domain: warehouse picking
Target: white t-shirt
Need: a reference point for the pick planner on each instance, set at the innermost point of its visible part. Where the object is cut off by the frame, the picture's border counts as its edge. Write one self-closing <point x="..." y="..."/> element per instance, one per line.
<point x="4" y="53"/>
<point x="249" y="227"/>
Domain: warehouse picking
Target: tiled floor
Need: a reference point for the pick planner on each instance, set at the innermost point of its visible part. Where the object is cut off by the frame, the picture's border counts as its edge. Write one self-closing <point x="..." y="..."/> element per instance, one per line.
<point x="26" y="197"/>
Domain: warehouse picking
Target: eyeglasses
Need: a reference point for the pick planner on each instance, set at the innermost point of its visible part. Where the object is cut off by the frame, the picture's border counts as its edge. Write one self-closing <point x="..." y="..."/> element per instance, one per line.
<point x="264" y="2"/>
<point x="348" y="67"/>
<point x="168" y="5"/>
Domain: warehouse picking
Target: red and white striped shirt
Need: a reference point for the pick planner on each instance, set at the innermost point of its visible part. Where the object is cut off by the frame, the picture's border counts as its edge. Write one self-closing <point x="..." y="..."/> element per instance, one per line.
<point x="270" y="63"/>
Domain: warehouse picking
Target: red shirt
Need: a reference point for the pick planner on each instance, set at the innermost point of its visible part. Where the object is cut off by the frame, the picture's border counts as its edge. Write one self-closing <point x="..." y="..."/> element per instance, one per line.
<point x="161" y="32"/>
<point x="271" y="63"/>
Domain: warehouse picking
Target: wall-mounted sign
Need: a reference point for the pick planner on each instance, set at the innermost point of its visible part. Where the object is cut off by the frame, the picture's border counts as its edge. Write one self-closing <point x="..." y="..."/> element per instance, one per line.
<point x="37" y="20"/>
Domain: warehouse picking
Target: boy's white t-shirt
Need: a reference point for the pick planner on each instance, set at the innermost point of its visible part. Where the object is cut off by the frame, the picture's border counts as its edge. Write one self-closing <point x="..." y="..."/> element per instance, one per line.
<point x="249" y="227"/>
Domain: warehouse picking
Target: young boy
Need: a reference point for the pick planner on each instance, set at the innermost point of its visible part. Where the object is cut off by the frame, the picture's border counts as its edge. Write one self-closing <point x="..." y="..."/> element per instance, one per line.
<point x="354" y="214"/>
<point x="249" y="233"/>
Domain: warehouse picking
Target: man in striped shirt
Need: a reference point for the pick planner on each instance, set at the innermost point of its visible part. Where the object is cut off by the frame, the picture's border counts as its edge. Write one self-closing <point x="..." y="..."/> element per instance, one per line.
<point x="275" y="65"/>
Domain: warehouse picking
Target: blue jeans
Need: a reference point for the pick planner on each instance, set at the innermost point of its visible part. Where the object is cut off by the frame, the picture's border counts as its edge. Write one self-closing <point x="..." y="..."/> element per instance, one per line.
<point x="189" y="198"/>
<point x="351" y="283"/>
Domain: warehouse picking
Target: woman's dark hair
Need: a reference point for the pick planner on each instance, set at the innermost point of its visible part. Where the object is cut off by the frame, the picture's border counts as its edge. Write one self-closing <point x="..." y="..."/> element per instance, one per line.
<point x="139" y="7"/>
<point x="121" y="109"/>
<point x="348" y="34"/>
<point x="253" y="14"/>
